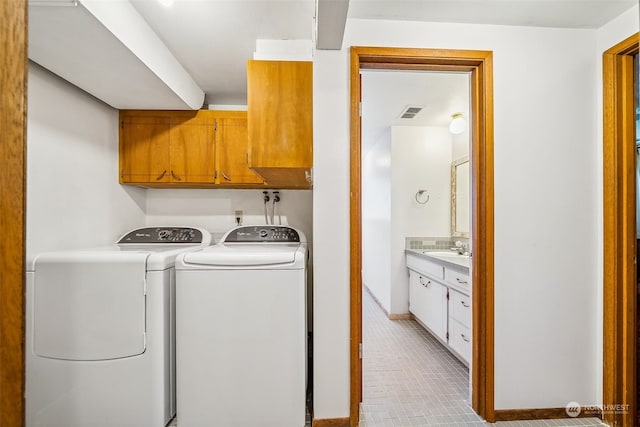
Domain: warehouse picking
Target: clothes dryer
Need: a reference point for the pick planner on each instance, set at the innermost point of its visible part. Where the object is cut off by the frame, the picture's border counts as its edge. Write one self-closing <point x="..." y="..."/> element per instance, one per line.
<point x="100" y="331"/>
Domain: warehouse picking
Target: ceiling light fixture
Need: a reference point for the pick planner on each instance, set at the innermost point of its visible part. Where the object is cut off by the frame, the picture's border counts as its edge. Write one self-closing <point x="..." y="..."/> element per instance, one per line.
<point x="458" y="124"/>
<point x="166" y="3"/>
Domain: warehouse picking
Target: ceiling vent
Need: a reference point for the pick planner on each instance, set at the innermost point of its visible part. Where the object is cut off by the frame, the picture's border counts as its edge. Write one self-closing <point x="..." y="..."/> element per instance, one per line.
<point x="410" y="112"/>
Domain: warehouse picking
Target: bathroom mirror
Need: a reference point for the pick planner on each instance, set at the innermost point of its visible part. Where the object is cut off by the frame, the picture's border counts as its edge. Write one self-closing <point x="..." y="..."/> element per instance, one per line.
<point x="460" y="198"/>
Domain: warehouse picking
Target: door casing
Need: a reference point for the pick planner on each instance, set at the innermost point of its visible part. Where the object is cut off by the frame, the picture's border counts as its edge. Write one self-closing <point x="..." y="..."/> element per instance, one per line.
<point x="619" y="228"/>
<point x="13" y="108"/>
<point x="480" y="66"/>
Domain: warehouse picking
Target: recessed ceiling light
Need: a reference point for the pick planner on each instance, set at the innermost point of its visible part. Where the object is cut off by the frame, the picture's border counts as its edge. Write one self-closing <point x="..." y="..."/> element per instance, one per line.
<point x="166" y="3"/>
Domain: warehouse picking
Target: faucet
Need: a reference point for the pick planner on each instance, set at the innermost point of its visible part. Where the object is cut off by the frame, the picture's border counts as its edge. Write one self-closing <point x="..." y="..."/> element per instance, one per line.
<point x="460" y="248"/>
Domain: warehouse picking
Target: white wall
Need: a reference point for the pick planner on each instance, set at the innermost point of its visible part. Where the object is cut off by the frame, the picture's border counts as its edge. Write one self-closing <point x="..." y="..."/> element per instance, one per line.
<point x="409" y="159"/>
<point x="609" y="35"/>
<point x="331" y="232"/>
<point x="420" y="159"/>
<point x="73" y="196"/>
<point x="215" y="209"/>
<point x="376" y="220"/>
<point x="461" y="144"/>
<point x="546" y="177"/>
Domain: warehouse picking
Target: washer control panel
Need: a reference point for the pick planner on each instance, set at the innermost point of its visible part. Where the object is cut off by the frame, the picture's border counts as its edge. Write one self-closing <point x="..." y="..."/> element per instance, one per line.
<point x="163" y="235"/>
<point x="266" y="233"/>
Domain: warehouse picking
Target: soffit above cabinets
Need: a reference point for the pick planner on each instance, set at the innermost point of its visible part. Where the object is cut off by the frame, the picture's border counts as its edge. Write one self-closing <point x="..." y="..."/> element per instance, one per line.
<point x="108" y="50"/>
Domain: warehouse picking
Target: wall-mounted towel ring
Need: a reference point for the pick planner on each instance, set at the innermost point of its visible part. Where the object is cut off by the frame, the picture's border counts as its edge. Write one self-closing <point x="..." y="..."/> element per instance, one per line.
<point x="420" y="197"/>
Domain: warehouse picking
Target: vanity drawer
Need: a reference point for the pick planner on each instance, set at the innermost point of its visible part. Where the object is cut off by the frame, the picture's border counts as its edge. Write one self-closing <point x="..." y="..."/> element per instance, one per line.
<point x="460" y="340"/>
<point x="457" y="278"/>
<point x="460" y="308"/>
<point x="425" y="266"/>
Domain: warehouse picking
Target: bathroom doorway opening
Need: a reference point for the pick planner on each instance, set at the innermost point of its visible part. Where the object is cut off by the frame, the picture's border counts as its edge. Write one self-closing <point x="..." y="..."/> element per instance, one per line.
<point x="414" y="361"/>
<point x="479" y="66"/>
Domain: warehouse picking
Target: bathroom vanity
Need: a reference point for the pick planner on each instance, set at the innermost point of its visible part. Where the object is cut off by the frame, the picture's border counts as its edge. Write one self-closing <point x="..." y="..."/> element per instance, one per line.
<point x="440" y="297"/>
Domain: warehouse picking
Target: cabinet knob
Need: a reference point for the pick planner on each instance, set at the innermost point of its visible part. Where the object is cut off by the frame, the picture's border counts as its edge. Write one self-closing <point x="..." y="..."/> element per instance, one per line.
<point x="159" y="177"/>
<point x="464" y="304"/>
<point x="224" y="175"/>
<point x="462" y="282"/>
<point x="465" y="338"/>
<point x="176" y="177"/>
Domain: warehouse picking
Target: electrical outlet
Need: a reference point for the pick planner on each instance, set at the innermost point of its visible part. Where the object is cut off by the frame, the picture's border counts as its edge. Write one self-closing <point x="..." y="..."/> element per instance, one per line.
<point x="238" y="217"/>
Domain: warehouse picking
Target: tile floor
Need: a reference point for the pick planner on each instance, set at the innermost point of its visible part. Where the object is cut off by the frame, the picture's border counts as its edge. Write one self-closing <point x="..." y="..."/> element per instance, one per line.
<point x="410" y="379"/>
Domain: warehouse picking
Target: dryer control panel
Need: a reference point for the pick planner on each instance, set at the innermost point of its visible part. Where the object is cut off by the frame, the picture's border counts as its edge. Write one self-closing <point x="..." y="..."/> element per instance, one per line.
<point x="266" y="233"/>
<point x="164" y="235"/>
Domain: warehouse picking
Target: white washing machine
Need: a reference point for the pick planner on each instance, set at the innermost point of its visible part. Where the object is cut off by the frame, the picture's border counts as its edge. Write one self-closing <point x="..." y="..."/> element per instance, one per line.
<point x="100" y="331"/>
<point x="241" y="330"/>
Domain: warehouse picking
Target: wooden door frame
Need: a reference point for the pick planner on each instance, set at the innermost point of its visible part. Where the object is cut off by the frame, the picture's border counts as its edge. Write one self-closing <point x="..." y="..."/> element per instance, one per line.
<point x="13" y="107"/>
<point x="480" y="66"/>
<point x="619" y="229"/>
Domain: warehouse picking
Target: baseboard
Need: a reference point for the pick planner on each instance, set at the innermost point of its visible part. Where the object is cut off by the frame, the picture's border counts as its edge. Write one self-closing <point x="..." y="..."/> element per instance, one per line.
<point x="401" y="316"/>
<point x="546" y="413"/>
<point x="331" y="422"/>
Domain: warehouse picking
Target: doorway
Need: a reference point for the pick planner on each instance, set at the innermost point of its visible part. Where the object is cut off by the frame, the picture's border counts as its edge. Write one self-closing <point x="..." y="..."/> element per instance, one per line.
<point x="410" y="151"/>
<point x="479" y="65"/>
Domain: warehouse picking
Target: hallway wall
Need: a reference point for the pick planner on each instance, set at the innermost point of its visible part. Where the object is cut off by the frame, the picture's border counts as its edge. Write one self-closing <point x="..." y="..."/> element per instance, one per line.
<point x="545" y="97"/>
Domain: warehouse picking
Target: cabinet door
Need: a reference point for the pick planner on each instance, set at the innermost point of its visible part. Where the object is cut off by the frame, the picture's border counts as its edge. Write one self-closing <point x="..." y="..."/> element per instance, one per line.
<point x="192" y="148"/>
<point x="280" y="114"/>
<point x="144" y="149"/>
<point x="231" y="152"/>
<point x="428" y="302"/>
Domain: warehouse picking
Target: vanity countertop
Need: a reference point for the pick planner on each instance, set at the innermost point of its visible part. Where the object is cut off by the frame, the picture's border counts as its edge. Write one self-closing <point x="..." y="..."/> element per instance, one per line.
<point x="448" y="258"/>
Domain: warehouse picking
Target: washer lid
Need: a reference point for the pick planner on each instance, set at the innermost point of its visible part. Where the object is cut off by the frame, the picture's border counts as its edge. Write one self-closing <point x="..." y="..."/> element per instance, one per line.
<point x="245" y="255"/>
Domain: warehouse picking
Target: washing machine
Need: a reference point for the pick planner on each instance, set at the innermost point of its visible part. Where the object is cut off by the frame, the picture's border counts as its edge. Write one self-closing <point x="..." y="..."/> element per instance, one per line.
<point x="100" y="331"/>
<point x="241" y="330"/>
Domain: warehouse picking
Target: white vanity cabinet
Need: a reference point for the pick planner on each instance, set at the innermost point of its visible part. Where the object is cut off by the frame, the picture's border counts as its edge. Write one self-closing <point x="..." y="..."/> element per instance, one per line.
<point x="428" y="303"/>
<point x="439" y="299"/>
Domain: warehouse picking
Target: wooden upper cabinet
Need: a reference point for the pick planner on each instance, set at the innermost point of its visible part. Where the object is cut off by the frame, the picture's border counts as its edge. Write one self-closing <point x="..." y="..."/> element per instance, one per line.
<point x="196" y="149"/>
<point x="192" y="148"/>
<point x="144" y="149"/>
<point x="280" y="121"/>
<point x="231" y="147"/>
